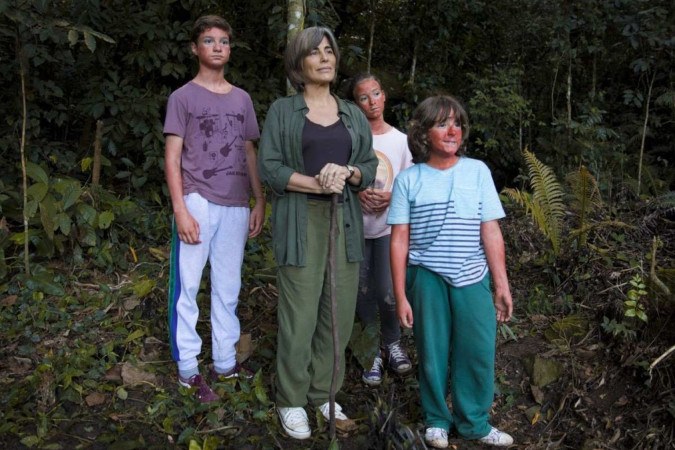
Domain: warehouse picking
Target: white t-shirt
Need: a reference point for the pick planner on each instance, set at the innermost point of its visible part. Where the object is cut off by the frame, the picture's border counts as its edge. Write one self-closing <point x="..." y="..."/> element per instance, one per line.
<point x="393" y="156"/>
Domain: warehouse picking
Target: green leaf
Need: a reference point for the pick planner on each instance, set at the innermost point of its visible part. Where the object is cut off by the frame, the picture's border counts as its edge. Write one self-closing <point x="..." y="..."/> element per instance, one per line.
<point x="64" y="223"/>
<point x="37" y="191"/>
<point x="72" y="37"/>
<point x="30" y="441"/>
<point x="54" y="446"/>
<point x="194" y="445"/>
<point x="261" y="394"/>
<point x="47" y="215"/>
<point x="122" y="393"/>
<point x="105" y="219"/>
<point x="43" y="282"/>
<point x="133" y="336"/>
<point x="85" y="214"/>
<point x="70" y="191"/>
<point x="36" y="173"/>
<point x="31" y="208"/>
<point x="87" y="235"/>
<point x="89" y="41"/>
<point x="143" y="287"/>
<point x="85" y="164"/>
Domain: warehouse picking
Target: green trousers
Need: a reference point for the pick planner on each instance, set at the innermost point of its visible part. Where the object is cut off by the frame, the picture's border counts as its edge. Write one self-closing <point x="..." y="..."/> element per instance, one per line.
<point x="455" y="331"/>
<point x="305" y="339"/>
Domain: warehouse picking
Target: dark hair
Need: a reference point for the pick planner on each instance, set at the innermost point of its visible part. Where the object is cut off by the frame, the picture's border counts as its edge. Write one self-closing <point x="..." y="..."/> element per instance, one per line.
<point x="427" y="114"/>
<point x="211" y="21"/>
<point x="300" y="46"/>
<point x="358" y="79"/>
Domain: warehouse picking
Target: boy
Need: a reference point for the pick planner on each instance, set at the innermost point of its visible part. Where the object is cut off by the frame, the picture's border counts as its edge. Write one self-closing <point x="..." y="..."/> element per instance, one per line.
<point x="210" y="167"/>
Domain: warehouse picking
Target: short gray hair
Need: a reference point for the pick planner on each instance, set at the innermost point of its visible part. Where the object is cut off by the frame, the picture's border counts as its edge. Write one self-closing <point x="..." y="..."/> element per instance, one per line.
<point x="300" y="46"/>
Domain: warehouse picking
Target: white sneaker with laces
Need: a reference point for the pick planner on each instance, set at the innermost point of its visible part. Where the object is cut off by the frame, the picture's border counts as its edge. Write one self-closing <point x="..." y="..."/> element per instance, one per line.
<point x="343" y="424"/>
<point x="436" y="437"/>
<point x="325" y="410"/>
<point x="497" y="438"/>
<point x="295" y="422"/>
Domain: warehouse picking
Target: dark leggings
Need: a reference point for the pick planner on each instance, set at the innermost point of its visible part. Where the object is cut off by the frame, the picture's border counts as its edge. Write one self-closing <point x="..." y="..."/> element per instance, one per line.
<point x="376" y="291"/>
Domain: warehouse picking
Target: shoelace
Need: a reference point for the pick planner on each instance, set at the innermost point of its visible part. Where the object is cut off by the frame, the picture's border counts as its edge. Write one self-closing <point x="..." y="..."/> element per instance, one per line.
<point x="294" y="416"/>
<point x="396" y="352"/>
<point x="377" y="364"/>
<point x="493" y="434"/>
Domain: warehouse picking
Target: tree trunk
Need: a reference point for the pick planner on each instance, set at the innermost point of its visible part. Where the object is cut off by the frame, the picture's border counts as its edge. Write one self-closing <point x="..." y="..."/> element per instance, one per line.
<point x="371" y="38"/>
<point x="413" y="65"/>
<point x="296" y="23"/>
<point x="644" y="133"/>
<point x="96" y="165"/>
<point x="22" y="146"/>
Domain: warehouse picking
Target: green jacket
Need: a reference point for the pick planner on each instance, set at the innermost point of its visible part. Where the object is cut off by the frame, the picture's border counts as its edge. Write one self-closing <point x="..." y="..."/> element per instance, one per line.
<point x="280" y="155"/>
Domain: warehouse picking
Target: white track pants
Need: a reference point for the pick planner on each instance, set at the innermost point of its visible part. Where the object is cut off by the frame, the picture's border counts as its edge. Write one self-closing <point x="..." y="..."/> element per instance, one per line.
<point x="223" y="231"/>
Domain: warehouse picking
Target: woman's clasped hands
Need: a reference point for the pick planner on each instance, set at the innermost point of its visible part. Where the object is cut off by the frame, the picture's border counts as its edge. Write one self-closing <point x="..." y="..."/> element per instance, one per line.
<point x="332" y="178"/>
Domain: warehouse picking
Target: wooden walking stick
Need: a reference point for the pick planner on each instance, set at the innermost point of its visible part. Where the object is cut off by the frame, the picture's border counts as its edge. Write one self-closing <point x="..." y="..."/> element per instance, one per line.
<point x="332" y="269"/>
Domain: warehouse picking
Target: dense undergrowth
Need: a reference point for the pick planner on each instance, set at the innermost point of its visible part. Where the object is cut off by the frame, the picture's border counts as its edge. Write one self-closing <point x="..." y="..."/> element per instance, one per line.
<point x="85" y="362"/>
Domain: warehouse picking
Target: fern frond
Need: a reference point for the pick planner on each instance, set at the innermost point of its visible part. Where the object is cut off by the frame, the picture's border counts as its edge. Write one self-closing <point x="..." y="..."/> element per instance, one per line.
<point x="548" y="196"/>
<point x="601" y="225"/>
<point x="586" y="197"/>
<point x="521" y="198"/>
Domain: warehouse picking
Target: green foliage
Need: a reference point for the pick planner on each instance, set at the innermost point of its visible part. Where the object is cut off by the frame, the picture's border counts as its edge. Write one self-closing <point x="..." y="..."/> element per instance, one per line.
<point x="545" y="204"/>
<point x="586" y="198"/>
<point x="634" y="306"/>
<point x="499" y="115"/>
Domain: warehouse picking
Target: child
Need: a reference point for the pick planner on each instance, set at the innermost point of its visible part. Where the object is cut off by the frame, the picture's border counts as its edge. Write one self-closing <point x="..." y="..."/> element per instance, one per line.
<point x="446" y="245"/>
<point x="375" y="289"/>
<point x="210" y="166"/>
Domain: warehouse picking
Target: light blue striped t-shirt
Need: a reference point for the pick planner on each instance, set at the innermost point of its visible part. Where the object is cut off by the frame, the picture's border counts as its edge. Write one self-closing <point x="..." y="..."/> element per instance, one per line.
<point x="445" y="209"/>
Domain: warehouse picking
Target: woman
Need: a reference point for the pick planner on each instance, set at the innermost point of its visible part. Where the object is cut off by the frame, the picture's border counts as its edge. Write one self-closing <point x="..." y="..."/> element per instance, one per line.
<point x="313" y="145"/>
<point x="446" y="247"/>
<point x="375" y="289"/>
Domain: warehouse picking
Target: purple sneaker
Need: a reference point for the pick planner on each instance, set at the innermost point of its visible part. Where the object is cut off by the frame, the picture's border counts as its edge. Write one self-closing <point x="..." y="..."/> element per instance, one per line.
<point x="203" y="392"/>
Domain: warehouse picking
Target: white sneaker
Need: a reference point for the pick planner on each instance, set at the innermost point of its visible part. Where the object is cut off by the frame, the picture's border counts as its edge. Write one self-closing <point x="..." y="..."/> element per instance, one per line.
<point x="295" y="422"/>
<point x="436" y="437"/>
<point x="339" y="415"/>
<point x="497" y="438"/>
<point x="343" y="423"/>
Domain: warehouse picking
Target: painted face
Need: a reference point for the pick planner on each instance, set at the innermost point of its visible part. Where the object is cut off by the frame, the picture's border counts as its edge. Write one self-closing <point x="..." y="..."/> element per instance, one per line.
<point x="370" y="98"/>
<point x="445" y="137"/>
<point x="212" y="47"/>
<point x="319" y="66"/>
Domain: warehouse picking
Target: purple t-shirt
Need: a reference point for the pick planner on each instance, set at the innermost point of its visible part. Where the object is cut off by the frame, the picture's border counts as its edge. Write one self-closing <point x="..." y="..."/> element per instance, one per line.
<point x="214" y="128"/>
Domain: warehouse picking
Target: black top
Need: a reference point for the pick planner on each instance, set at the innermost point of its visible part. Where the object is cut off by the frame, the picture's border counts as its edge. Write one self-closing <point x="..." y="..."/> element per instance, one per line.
<point x="322" y="145"/>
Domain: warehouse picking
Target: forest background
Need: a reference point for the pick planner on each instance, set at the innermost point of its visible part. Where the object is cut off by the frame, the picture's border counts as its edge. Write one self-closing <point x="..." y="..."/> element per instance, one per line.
<point x="572" y="105"/>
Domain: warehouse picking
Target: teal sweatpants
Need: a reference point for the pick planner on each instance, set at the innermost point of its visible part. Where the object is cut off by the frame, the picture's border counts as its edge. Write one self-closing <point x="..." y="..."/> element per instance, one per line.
<point x="455" y="331"/>
<point x="305" y="338"/>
